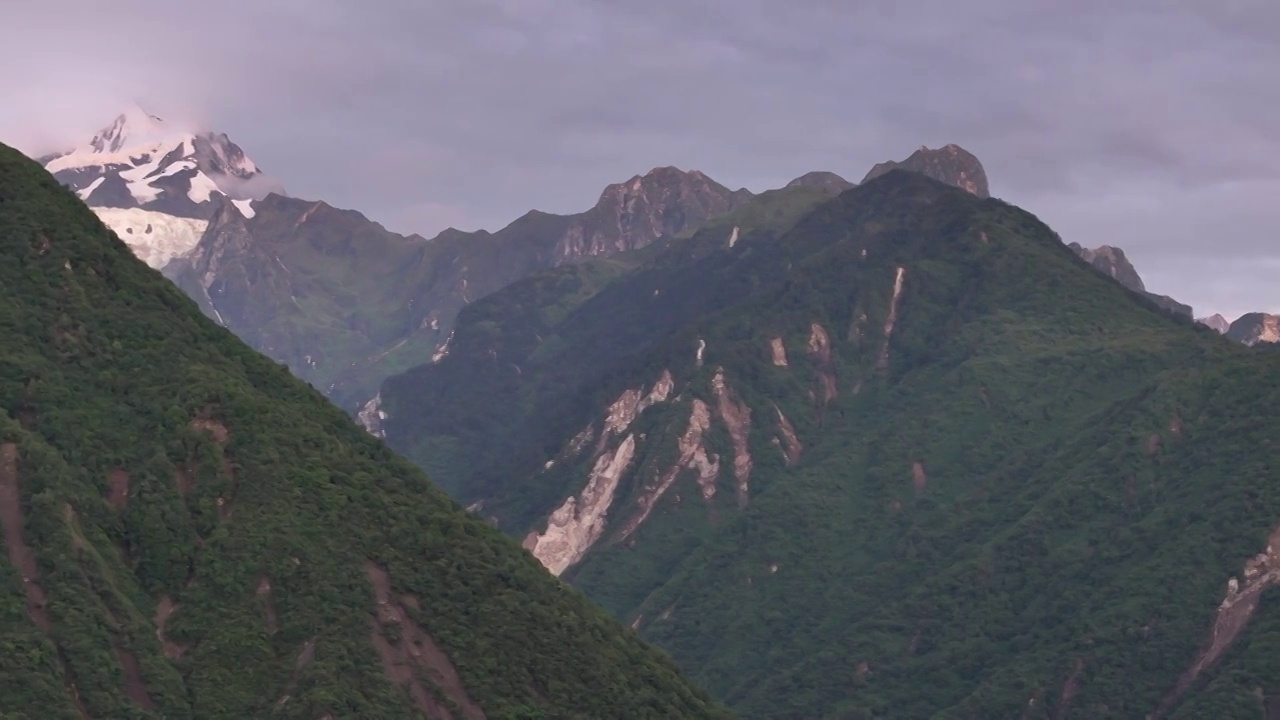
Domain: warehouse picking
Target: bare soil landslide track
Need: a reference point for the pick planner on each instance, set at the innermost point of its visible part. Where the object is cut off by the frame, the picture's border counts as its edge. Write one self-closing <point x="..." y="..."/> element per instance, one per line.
<point x="119" y="495"/>
<point x="415" y="647"/>
<point x="20" y="556"/>
<point x="1261" y="572"/>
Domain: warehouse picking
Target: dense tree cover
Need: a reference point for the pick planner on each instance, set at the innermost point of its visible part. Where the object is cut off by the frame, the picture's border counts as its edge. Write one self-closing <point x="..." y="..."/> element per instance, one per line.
<point x="1030" y="507"/>
<point x="192" y="532"/>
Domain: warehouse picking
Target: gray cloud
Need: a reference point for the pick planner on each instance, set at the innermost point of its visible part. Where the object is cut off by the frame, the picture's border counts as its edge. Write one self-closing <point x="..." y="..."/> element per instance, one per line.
<point x="1149" y="125"/>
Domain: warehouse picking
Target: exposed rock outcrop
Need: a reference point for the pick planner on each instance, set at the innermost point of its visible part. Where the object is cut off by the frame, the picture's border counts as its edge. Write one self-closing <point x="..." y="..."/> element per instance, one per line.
<point x="1111" y="261"/>
<point x="1216" y="322"/>
<point x="737" y="418"/>
<point x="1259" y="573"/>
<point x="372" y="415"/>
<point x="892" y="318"/>
<point x="950" y="164"/>
<point x="692" y="456"/>
<point x="787" y="439"/>
<point x="631" y="403"/>
<point x="632" y="214"/>
<point x="1255" y="328"/>
<point x="578" y="523"/>
<point x="778" y="351"/>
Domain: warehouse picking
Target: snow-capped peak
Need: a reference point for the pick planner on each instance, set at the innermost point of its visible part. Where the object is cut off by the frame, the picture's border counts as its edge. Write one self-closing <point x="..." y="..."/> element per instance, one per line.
<point x="142" y="161"/>
<point x="154" y="181"/>
<point x="133" y="127"/>
<point x="133" y="134"/>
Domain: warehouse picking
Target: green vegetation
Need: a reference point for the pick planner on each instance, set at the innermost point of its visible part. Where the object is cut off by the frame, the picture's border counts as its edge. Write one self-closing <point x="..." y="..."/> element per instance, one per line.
<point x="550" y="343"/>
<point x="189" y="531"/>
<point x="1031" y="508"/>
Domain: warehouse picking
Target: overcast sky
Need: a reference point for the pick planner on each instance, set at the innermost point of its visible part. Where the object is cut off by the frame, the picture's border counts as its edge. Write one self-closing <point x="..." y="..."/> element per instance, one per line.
<point x="1151" y="127"/>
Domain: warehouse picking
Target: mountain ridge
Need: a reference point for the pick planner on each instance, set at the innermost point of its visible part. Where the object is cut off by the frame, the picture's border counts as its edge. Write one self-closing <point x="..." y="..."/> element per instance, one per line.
<point x="351" y="322"/>
<point x="1113" y="262"/>
<point x="169" y="500"/>
<point x="907" y="456"/>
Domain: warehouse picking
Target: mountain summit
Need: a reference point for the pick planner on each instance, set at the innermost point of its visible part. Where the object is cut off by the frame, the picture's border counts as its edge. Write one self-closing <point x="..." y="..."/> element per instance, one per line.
<point x="950" y="164"/>
<point x="1217" y="322"/>
<point x="154" y="182"/>
<point x="1111" y="261"/>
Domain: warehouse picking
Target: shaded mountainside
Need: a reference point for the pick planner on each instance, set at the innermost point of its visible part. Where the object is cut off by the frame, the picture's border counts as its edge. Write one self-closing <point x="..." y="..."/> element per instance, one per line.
<point x="191" y="532"/>
<point x="903" y="454"/>
<point x="345" y="303"/>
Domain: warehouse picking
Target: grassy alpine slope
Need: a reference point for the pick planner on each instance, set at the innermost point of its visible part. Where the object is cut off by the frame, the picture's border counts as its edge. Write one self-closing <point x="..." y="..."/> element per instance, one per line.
<point x="979" y="479"/>
<point x="191" y="532"/>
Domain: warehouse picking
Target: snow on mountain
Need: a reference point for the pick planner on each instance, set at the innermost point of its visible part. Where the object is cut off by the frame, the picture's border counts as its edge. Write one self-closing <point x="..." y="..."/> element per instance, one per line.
<point x="154" y="182"/>
<point x="155" y="237"/>
<point x="141" y="160"/>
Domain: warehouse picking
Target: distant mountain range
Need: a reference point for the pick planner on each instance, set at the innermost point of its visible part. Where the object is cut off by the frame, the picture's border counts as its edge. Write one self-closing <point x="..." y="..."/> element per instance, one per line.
<point x="879" y="450"/>
<point x="346" y="303"/>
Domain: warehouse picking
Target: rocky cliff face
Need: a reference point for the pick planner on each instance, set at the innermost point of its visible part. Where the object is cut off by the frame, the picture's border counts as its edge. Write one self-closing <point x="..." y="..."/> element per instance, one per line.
<point x="950" y="164"/>
<point x="1215" y="321"/>
<point x="630" y="215"/>
<point x="1254" y="329"/>
<point x="1111" y="261"/>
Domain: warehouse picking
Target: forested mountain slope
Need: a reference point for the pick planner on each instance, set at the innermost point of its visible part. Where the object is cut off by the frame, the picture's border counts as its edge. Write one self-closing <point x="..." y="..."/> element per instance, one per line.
<point x="902" y="455"/>
<point x="189" y="531"/>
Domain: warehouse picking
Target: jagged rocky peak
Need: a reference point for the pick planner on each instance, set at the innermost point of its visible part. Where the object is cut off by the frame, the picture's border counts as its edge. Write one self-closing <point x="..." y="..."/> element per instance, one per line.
<point x="821" y="179"/>
<point x="950" y="164"/>
<point x="1111" y="261"/>
<point x="632" y="214"/>
<point x="667" y="184"/>
<point x="1216" y="322"/>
